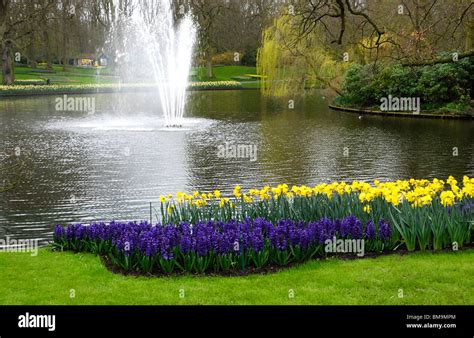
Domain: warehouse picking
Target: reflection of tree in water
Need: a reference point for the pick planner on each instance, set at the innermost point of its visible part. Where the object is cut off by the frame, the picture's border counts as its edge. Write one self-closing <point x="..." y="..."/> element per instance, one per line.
<point x="16" y="167"/>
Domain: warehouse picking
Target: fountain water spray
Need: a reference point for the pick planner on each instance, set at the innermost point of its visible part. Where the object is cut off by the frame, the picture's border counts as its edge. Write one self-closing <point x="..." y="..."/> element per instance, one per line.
<point x="150" y="39"/>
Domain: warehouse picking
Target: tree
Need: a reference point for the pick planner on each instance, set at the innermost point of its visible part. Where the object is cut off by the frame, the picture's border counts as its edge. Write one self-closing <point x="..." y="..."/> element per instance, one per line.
<point x="16" y="24"/>
<point x="416" y="30"/>
<point x="206" y="13"/>
<point x="6" y="45"/>
<point x="291" y="65"/>
<point x="321" y="37"/>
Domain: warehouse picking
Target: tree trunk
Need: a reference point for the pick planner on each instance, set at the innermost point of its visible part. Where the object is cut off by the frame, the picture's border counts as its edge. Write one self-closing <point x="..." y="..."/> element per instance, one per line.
<point x="65" y="41"/>
<point x="469" y="29"/>
<point x="49" y="57"/>
<point x="31" y="53"/>
<point x="64" y="57"/>
<point x="8" y="70"/>
<point x="209" y="72"/>
<point x="5" y="53"/>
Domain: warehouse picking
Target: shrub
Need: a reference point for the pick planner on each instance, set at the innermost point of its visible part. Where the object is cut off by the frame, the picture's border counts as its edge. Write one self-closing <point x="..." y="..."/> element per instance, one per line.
<point x="436" y="85"/>
<point x="250" y="57"/>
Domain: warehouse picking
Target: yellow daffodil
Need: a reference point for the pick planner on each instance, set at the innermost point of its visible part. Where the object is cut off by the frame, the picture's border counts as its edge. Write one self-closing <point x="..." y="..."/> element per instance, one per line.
<point x="237" y="192"/>
<point x="447" y="198"/>
<point x="223" y="202"/>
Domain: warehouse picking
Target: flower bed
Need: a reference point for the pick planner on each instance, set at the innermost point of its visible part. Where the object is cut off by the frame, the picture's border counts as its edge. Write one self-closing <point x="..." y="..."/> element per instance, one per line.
<point x="278" y="226"/>
<point x="105" y="87"/>
<point x="215" y="85"/>
<point x="217" y="246"/>
<point x="427" y="214"/>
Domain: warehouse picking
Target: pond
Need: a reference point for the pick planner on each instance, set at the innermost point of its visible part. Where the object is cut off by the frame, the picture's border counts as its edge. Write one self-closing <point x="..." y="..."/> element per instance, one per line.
<point x="63" y="166"/>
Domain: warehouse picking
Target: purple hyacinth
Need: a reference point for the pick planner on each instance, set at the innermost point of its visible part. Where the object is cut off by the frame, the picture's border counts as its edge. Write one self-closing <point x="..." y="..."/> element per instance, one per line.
<point x="59" y="232"/>
<point x="356" y="229"/>
<point x="325" y="230"/>
<point x="257" y="240"/>
<point x="185" y="243"/>
<point x="370" y="232"/>
<point x="218" y="237"/>
<point x="337" y="225"/>
<point x="385" y="231"/>
<point x="203" y="238"/>
<point x="345" y="228"/>
<point x="278" y="236"/>
<point x="70" y="232"/>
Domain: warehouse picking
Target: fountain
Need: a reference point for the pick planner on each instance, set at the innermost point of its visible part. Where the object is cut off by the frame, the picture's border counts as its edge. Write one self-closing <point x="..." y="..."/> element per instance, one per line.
<point x="156" y="49"/>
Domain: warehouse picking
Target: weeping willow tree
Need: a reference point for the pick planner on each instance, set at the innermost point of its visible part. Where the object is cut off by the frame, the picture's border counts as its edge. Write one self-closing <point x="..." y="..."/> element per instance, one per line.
<point x="290" y="63"/>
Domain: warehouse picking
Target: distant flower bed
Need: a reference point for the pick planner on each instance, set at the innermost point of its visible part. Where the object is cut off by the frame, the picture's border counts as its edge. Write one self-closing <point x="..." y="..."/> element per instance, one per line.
<point x="30" y="82"/>
<point x="217" y="246"/>
<point x="277" y="226"/>
<point x="62" y="88"/>
<point x="105" y="87"/>
<point x="215" y="85"/>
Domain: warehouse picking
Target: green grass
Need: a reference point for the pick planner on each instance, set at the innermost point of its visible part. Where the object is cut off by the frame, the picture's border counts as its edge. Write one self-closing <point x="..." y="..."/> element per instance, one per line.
<point x="226" y="73"/>
<point x="425" y="278"/>
<point x="76" y="75"/>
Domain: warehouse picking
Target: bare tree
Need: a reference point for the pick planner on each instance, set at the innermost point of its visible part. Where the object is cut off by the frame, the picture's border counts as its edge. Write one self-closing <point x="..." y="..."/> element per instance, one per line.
<point x="416" y="30"/>
<point x="16" y="23"/>
<point x="206" y="13"/>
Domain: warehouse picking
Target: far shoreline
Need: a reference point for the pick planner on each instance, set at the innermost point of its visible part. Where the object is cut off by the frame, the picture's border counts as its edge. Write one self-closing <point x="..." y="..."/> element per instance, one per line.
<point x="423" y="114"/>
<point x="74" y="91"/>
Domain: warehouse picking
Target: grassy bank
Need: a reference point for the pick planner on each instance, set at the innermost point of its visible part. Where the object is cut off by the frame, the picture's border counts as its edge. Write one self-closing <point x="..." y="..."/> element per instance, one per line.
<point x="231" y="73"/>
<point x="58" y="89"/>
<point x="75" y="76"/>
<point x="425" y="278"/>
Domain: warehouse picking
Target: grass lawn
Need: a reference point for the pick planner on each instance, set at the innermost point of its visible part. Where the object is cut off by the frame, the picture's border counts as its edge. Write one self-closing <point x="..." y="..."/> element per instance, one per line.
<point x="425" y="278"/>
<point x="76" y="75"/>
<point x="226" y="73"/>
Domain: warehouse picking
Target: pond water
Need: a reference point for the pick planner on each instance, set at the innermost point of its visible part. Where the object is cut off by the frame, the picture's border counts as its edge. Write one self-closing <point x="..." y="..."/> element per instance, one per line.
<point x="62" y="167"/>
